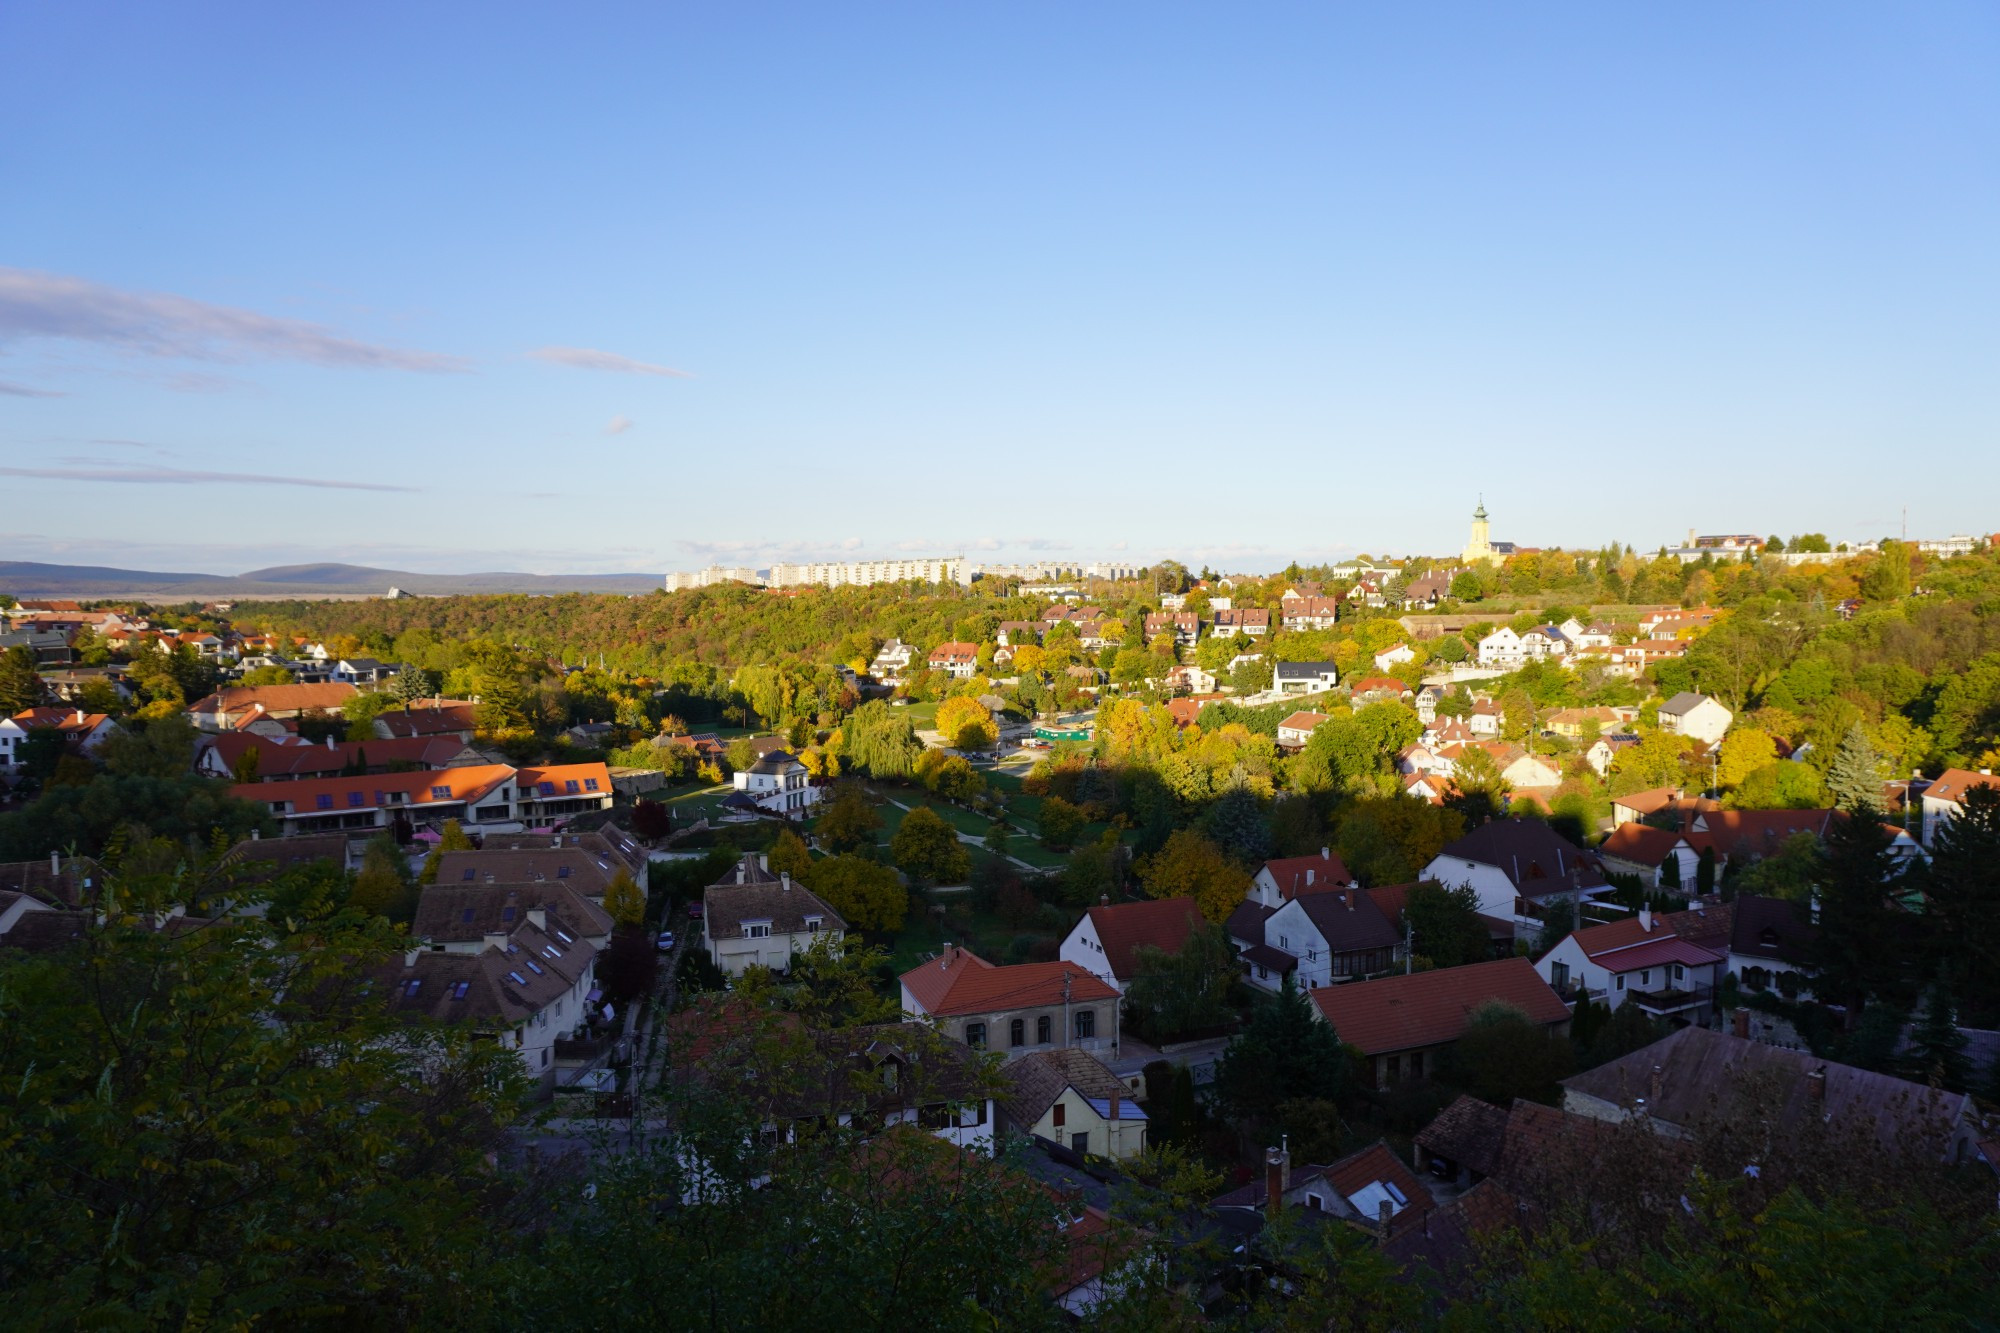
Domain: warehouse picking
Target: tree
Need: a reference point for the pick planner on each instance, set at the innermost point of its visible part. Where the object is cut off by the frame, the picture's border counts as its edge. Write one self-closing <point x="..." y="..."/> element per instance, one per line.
<point x="788" y="856"/>
<point x="21" y="684"/>
<point x="267" y="675"/>
<point x="1503" y="1055"/>
<point x="926" y="848"/>
<point x="624" y="901"/>
<point x="383" y="887"/>
<point x="1061" y="823"/>
<point x="208" y="1126"/>
<point x="1444" y="925"/>
<point x="848" y="822"/>
<point x="1937" y="1048"/>
<point x="630" y="964"/>
<point x="1855" y="950"/>
<point x="880" y="741"/>
<point x="1744" y="751"/>
<point x="411" y="684"/>
<point x="966" y="724"/>
<point x="1285" y="1053"/>
<point x="1855" y="778"/>
<point x="451" y="838"/>
<point x="1190" y="866"/>
<point x="1174" y="994"/>
<point x="1236" y="823"/>
<point x="652" y="820"/>
<point x="1962" y="902"/>
<point x="867" y="895"/>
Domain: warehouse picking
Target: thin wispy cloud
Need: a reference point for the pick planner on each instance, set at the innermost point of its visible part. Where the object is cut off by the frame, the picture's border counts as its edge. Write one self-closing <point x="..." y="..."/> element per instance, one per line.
<point x="37" y="305"/>
<point x="618" y="425"/>
<point x="28" y="391"/>
<point x="166" y="476"/>
<point x="589" y="358"/>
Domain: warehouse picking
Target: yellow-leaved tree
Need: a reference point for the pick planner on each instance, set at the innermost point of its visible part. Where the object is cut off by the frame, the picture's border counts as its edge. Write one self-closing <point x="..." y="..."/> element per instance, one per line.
<point x="1190" y="866"/>
<point x="965" y="724"/>
<point x="624" y="902"/>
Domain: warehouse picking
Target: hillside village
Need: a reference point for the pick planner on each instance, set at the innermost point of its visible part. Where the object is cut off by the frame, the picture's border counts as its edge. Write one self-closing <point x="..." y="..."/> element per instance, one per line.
<point x="1199" y="947"/>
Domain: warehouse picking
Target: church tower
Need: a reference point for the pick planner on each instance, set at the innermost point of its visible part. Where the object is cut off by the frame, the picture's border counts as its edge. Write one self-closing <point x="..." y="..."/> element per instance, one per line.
<point x="1479" y="550"/>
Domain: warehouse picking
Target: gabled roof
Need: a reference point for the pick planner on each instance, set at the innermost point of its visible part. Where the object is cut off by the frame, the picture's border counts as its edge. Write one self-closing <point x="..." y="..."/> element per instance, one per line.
<point x="784" y="904"/>
<point x="1641" y="844"/>
<point x="1295" y="875"/>
<point x="430" y="718"/>
<point x="961" y="982"/>
<point x="1469" y="1132"/>
<point x="1705" y="927"/>
<point x="1683" y="703"/>
<point x="1375" y="1176"/>
<point x="331" y="697"/>
<point x="501" y="985"/>
<point x="1699" y="1071"/>
<point x="1533" y="856"/>
<point x="1775" y="930"/>
<point x="1123" y="927"/>
<point x="1304" y="721"/>
<point x="69" y="721"/>
<point x="450" y="913"/>
<point x="1246" y="922"/>
<point x="584" y="869"/>
<point x="1304" y="670"/>
<point x="1433" y="1008"/>
<point x="1039" y="1079"/>
<point x="290" y="758"/>
<point x="955" y="652"/>
<point x="1953" y="783"/>
<point x="1755" y="832"/>
<point x="565" y="780"/>
<point x="445" y="786"/>
<point x="1349" y="921"/>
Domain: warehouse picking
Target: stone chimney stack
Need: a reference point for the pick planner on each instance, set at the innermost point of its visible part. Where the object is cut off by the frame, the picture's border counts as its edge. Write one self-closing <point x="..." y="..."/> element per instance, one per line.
<point x="1277" y="1175"/>
<point x="785" y="881"/>
<point x="55" y="865"/>
<point x="1739" y="1023"/>
<point x="1816" y="1085"/>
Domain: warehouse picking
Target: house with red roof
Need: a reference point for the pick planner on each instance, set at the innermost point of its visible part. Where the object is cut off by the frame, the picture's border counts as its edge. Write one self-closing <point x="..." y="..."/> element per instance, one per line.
<point x="1330" y="938"/>
<point x="81" y="732"/>
<point x="1107" y="941"/>
<point x="227" y="708"/>
<point x="1402" y="1025"/>
<point x="1297" y="729"/>
<point x="1670" y="965"/>
<point x="1015" y="1010"/>
<point x="1282" y="879"/>
<point x="1371" y="1189"/>
<point x="1944" y="799"/>
<point x="955" y="659"/>
<point x="479" y="795"/>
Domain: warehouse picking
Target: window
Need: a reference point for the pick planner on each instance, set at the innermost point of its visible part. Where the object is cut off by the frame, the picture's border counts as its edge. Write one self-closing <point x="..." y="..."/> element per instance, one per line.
<point x="1559" y="975"/>
<point x="354" y="800"/>
<point x="975" y="1036"/>
<point x="535" y="967"/>
<point x="324" y="800"/>
<point x="1417" y="1064"/>
<point x="469" y="873"/>
<point x="562" y="872"/>
<point x="1394" y="1067"/>
<point x="412" y="986"/>
<point x="1057" y="1114"/>
<point x="569" y="787"/>
<point x="1086" y="1024"/>
<point x="759" y="930"/>
<point x="506" y="914"/>
<point x="1679" y="972"/>
<point x="590" y="784"/>
<point x="1079" y="1143"/>
<point x="1042" y="1030"/>
<point x="550" y="952"/>
<point x="1621" y="981"/>
<point x="460" y="989"/>
<point x="813" y="924"/>
<point x="564" y="936"/>
<point x="546" y="788"/>
<point x="517" y="978"/>
<point x="1017" y="1032"/>
<point x="1646" y="977"/>
<point x="1284" y="942"/>
<point x="466" y="916"/>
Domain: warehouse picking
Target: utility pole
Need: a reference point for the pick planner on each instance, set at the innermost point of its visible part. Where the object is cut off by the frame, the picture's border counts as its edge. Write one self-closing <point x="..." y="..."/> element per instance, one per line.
<point x="1409" y="944"/>
<point x="1065" y="1036"/>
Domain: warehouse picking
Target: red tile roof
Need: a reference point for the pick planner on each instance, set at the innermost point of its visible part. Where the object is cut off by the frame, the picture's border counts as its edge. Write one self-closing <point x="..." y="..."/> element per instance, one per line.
<point x="1123" y="927"/>
<point x="1304" y="721"/>
<point x="331" y="697"/>
<point x="467" y="785"/>
<point x="590" y="780"/>
<point x="962" y="982"/>
<point x="1374" y="1165"/>
<point x="1641" y="844"/>
<point x="955" y="652"/>
<point x="1432" y="1008"/>
<point x="1328" y="872"/>
<point x="1953" y="783"/>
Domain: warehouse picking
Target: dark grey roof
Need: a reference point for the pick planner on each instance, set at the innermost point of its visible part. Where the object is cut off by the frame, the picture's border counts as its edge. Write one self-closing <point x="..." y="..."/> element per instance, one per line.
<point x="1247" y="921"/>
<point x="1469" y="1132"/>
<point x="775" y="761"/>
<point x="458" y="913"/>
<point x="1534" y="856"/>
<point x="783" y="902"/>
<point x="1774" y="929"/>
<point x="1040" y="1078"/>
<point x="1349" y="919"/>
<point x="1684" y="702"/>
<point x="1305" y="669"/>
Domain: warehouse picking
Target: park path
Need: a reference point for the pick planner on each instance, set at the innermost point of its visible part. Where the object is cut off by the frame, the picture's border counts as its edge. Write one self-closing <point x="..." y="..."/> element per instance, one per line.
<point x="969" y="839"/>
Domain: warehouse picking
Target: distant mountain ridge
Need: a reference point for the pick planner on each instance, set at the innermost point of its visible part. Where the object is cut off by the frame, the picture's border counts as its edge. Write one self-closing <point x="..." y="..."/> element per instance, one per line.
<point x="28" y="578"/>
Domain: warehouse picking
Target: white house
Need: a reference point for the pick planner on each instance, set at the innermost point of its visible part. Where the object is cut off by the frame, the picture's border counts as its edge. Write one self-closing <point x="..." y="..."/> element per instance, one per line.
<point x="1296" y="730"/>
<point x="1502" y="648"/>
<point x="1515" y="866"/>
<point x="1694" y="715"/>
<point x="1337" y="936"/>
<point x="1944" y="799"/>
<point x="957" y="660"/>
<point x="779" y="784"/>
<point x="1107" y="940"/>
<point x="1396" y="656"/>
<point x="527" y="990"/>
<point x="1669" y="965"/>
<point x="756" y="918"/>
<point x="1304" y="677"/>
<point x="82" y="732"/>
<point x="1545" y="642"/>
<point x="1279" y="881"/>
<point x="892" y="661"/>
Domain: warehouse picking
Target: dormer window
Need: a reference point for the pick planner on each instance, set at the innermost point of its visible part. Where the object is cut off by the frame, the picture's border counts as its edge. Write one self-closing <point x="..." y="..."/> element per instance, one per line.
<point x="757" y="930"/>
<point x="813" y="923"/>
<point x="411" y="987"/>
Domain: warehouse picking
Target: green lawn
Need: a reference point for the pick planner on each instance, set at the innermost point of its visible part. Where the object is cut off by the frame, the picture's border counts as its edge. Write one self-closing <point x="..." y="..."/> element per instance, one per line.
<point x="924" y="932"/>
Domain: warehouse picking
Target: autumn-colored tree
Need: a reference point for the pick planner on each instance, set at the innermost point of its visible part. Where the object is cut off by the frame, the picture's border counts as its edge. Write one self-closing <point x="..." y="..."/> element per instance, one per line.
<point x="1190" y="866"/>
<point x="789" y="856"/>
<point x="867" y="895"/>
<point x="624" y="901"/>
<point x="1060" y="823"/>
<point x="452" y="838"/>
<point x="966" y="724"/>
<point x="926" y="848"/>
<point x="1744" y="751"/>
<point x="848" y="821"/>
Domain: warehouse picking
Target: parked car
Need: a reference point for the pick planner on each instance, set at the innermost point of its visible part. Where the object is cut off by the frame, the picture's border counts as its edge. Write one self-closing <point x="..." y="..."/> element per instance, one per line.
<point x="666" y="943"/>
<point x="694" y="910"/>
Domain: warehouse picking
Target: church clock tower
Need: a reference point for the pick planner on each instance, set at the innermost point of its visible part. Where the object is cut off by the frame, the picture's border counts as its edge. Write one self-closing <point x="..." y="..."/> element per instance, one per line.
<point x="1479" y="550"/>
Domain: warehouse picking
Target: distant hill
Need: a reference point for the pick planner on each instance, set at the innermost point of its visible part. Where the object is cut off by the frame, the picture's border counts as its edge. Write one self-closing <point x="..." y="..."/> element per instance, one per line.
<point x="27" y="578"/>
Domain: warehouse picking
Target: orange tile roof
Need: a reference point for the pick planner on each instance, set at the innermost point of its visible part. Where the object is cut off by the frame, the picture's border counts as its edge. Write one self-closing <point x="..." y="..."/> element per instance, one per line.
<point x="1328" y="872"/>
<point x="457" y="785"/>
<point x="1123" y="927"/>
<point x="1953" y="783"/>
<point x="561" y="775"/>
<point x="1432" y="1008"/>
<point x="964" y="983"/>
<point x="276" y="698"/>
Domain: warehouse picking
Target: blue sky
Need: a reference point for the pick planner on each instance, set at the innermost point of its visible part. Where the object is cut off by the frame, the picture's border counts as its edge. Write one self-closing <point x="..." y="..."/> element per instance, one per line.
<point x="565" y="288"/>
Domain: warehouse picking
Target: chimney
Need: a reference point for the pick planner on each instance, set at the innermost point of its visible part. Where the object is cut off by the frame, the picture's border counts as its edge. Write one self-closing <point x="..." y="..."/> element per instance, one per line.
<point x="255" y="835"/>
<point x="1309" y="875"/>
<point x="1739" y="1023"/>
<point x="79" y="716"/>
<point x="1383" y="1212"/>
<point x="55" y="864"/>
<point x="785" y="881"/>
<point x="538" y="918"/>
<point x="1117" y="1097"/>
<point x="763" y="861"/>
<point x="741" y="871"/>
<point x="1326" y="853"/>
<point x="494" y="940"/>
<point x="1653" y="1085"/>
<point x="1277" y="1175"/>
<point x="1646" y="919"/>
<point x="410" y="955"/>
<point x="1816" y="1085"/>
<point x="329" y="741"/>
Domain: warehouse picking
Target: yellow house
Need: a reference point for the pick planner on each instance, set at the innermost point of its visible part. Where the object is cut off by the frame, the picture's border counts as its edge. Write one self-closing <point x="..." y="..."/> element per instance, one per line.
<point x="1068" y="1097"/>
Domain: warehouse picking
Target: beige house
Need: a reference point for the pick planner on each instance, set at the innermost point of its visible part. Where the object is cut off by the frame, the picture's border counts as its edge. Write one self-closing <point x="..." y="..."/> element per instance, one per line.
<point x="758" y="919"/>
<point x="1069" y="1097"/>
<point x="1015" y="1011"/>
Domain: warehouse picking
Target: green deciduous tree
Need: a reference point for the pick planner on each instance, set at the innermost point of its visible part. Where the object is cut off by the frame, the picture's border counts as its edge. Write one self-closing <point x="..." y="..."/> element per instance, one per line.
<point x="1285" y="1053"/>
<point x="1190" y="866"/>
<point x="926" y="848"/>
<point x="879" y="741"/>
<point x="1445" y="926"/>
<point x="867" y="895"/>
<point x="20" y="681"/>
<point x="1188" y="991"/>
<point x="1503" y="1055"/>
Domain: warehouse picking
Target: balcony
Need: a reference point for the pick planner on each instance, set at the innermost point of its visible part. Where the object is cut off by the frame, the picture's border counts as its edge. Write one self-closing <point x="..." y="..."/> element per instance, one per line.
<point x="1682" y="1001"/>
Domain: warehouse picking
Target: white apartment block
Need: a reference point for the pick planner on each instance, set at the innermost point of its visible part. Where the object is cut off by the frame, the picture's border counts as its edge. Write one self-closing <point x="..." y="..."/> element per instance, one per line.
<point x="861" y="573"/>
<point x="713" y="575"/>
